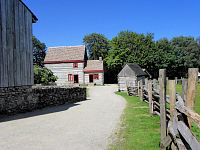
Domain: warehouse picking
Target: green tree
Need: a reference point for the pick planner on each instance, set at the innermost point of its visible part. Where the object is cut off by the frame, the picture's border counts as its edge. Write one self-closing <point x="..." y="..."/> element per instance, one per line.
<point x="39" y="52"/>
<point x="42" y="75"/>
<point x="165" y="57"/>
<point x="176" y="55"/>
<point x="187" y="54"/>
<point x="130" y="47"/>
<point x="97" y="45"/>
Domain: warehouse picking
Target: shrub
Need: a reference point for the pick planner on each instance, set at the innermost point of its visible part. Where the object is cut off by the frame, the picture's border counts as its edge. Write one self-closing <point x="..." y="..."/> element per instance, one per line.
<point x="43" y="75"/>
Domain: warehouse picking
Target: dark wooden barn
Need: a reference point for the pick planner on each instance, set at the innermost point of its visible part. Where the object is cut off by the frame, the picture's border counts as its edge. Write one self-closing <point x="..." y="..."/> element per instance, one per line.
<point x="130" y="75"/>
<point x="16" y="57"/>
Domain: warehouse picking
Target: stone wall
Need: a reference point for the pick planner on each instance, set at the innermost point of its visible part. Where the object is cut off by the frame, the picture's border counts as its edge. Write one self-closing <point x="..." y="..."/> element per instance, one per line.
<point x="51" y="96"/>
<point x="23" y="99"/>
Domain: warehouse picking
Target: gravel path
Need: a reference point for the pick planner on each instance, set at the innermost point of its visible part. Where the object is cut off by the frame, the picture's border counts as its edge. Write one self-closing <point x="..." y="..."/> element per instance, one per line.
<point x="86" y="125"/>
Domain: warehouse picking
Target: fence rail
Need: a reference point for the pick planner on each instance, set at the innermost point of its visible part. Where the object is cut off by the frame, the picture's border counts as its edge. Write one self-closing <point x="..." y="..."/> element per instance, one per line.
<point x="175" y="111"/>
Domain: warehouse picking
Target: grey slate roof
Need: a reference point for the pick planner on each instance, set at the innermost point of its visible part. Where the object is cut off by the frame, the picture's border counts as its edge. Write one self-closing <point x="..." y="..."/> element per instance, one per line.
<point x="94" y="65"/>
<point x="135" y="70"/>
<point x="64" y="53"/>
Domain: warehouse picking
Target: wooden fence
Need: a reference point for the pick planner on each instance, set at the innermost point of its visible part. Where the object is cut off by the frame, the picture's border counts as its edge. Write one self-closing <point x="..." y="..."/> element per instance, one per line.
<point x="175" y="111"/>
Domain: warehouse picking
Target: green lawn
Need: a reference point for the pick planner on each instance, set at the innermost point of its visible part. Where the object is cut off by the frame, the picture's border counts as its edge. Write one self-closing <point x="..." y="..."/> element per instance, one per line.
<point x="140" y="130"/>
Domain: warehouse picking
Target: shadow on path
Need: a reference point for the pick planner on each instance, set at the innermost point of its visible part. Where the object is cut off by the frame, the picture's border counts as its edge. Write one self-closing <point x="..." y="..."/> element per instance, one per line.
<point x="43" y="111"/>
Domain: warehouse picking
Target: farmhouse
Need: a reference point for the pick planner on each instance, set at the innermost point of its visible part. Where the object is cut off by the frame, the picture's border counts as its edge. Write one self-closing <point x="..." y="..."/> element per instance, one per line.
<point x="71" y="65"/>
<point x="130" y="75"/>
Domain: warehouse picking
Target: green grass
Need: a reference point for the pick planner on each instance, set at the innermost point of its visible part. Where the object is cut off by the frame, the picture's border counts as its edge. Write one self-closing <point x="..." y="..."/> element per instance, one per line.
<point x="196" y="130"/>
<point x="197" y="100"/>
<point x="140" y="130"/>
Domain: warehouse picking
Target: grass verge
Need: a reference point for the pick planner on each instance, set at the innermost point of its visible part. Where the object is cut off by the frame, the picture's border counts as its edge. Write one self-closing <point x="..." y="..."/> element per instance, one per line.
<point x="140" y="130"/>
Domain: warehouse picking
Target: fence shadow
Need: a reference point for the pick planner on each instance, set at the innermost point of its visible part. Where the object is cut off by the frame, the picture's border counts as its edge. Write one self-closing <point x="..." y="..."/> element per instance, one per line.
<point x="43" y="111"/>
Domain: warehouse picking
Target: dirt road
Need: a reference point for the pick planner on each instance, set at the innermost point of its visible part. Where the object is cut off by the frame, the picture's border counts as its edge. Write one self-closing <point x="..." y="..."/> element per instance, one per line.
<point x="85" y="125"/>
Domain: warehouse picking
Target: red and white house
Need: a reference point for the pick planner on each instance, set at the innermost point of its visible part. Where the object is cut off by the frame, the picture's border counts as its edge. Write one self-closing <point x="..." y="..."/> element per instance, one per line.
<point x="71" y="66"/>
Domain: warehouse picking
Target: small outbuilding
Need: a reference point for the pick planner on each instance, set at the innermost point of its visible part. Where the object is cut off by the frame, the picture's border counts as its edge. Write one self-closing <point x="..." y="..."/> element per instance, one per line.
<point x="130" y="75"/>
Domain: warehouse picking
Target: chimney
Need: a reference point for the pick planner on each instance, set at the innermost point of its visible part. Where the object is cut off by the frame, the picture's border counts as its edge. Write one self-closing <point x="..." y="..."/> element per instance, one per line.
<point x="100" y="58"/>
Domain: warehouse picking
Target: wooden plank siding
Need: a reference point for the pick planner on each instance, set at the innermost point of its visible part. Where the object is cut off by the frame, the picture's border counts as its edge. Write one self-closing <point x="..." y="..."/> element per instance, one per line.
<point x="17" y="68"/>
<point x="9" y="40"/>
<point x="31" y="48"/>
<point x="16" y="64"/>
<point x="4" y="70"/>
<point x="62" y="71"/>
<point x="1" y="51"/>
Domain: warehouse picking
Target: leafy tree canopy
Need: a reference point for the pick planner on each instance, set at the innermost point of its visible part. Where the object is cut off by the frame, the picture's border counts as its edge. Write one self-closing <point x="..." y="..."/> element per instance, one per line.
<point x="42" y="75"/>
<point x="97" y="45"/>
<point x="130" y="47"/>
<point x="176" y="55"/>
<point x="186" y="52"/>
<point x="39" y="51"/>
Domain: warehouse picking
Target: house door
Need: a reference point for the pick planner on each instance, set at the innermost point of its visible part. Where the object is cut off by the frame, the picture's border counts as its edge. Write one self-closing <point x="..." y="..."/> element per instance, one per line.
<point x="76" y="78"/>
<point x="91" y="78"/>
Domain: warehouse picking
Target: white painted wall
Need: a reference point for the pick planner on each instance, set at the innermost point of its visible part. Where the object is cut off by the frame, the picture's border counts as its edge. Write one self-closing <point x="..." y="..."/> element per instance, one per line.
<point x="62" y="71"/>
<point x="98" y="82"/>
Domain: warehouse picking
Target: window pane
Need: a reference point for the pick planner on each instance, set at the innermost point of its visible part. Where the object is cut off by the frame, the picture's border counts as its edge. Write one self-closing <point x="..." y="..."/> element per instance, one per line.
<point x="70" y="77"/>
<point x="96" y="76"/>
<point x="75" y="65"/>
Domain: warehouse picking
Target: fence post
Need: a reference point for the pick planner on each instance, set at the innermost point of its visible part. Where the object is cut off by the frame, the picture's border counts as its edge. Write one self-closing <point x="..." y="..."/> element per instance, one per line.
<point x="184" y="89"/>
<point x="172" y="98"/>
<point x="141" y="90"/>
<point x="176" y="80"/>
<point x="155" y="84"/>
<point x="150" y="96"/>
<point x="146" y="83"/>
<point x="162" y="92"/>
<point x="138" y="90"/>
<point x="191" y="91"/>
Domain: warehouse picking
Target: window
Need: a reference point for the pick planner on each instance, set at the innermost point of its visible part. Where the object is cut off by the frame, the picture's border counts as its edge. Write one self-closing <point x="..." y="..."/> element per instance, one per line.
<point x="75" y="65"/>
<point x="96" y="76"/>
<point x="70" y="77"/>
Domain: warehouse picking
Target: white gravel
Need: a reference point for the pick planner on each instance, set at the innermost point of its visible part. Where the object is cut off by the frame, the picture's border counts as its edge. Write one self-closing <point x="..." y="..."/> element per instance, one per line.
<point x="86" y="125"/>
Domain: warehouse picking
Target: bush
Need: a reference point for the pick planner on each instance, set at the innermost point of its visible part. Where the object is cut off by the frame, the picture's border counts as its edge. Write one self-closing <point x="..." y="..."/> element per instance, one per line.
<point x="43" y="75"/>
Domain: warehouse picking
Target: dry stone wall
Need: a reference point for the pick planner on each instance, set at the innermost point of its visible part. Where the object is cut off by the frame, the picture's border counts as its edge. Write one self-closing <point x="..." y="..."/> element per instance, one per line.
<point x="23" y="99"/>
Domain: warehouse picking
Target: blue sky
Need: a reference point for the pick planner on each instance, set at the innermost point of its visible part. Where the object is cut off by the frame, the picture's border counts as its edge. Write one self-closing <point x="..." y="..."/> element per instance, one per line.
<point x="65" y="22"/>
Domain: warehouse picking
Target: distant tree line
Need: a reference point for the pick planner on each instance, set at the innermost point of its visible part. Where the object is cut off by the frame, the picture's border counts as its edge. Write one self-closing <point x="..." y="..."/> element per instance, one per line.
<point x="176" y="55"/>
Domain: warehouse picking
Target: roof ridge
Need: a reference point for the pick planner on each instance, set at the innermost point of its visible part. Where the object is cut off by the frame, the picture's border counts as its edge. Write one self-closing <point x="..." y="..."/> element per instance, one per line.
<point x="66" y="46"/>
